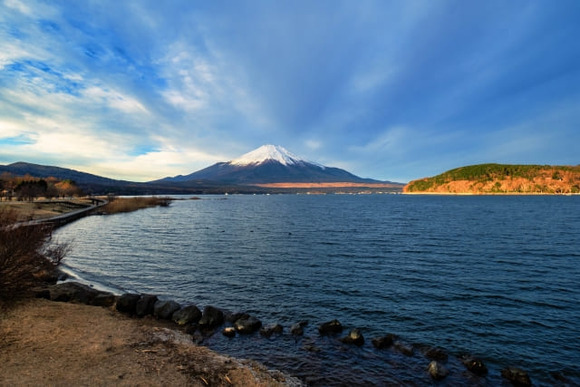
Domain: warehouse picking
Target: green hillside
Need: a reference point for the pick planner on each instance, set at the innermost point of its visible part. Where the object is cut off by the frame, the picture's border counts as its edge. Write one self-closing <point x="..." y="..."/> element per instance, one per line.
<point x="501" y="178"/>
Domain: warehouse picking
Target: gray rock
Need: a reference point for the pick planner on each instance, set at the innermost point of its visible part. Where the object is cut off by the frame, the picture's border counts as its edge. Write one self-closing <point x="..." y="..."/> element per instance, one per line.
<point x="354" y="337"/>
<point x="104" y="299"/>
<point x="298" y="328"/>
<point x="127" y="303"/>
<point x="73" y="292"/>
<point x="247" y="325"/>
<point x="41" y="292"/>
<point x="330" y="327"/>
<point x="436" y="354"/>
<point x="475" y="365"/>
<point x="187" y="315"/>
<point x="232" y="317"/>
<point x="145" y="305"/>
<point x="384" y="341"/>
<point x="191" y="328"/>
<point x="437" y="370"/>
<point x="229" y="332"/>
<point x="517" y="376"/>
<point x="165" y="309"/>
<point x="211" y="318"/>
<point x="405" y="349"/>
<point x="271" y="329"/>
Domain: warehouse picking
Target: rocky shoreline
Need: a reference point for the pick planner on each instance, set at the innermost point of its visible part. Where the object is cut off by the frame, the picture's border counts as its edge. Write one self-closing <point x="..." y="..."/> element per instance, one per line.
<point x="200" y="324"/>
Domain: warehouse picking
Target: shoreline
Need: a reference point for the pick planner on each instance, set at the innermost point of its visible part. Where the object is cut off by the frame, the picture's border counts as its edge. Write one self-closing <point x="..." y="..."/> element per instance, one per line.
<point x="490" y="194"/>
<point x="337" y="338"/>
<point x="437" y="363"/>
<point x="69" y="337"/>
<point x="80" y="344"/>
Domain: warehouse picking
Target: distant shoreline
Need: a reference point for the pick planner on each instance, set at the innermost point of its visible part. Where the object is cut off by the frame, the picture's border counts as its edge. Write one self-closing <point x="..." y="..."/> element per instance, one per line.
<point x="490" y="194"/>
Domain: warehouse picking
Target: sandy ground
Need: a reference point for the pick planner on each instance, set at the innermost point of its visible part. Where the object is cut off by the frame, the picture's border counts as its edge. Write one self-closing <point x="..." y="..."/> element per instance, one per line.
<point x="62" y="344"/>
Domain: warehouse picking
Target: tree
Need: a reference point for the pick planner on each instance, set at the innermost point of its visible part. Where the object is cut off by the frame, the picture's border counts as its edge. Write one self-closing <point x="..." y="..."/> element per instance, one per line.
<point x="31" y="189"/>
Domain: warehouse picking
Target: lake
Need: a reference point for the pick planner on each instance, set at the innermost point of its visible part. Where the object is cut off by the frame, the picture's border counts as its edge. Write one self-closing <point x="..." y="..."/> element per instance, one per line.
<point x="496" y="277"/>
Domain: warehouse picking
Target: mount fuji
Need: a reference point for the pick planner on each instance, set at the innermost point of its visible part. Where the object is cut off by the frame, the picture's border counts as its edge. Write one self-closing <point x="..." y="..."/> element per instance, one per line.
<point x="270" y="164"/>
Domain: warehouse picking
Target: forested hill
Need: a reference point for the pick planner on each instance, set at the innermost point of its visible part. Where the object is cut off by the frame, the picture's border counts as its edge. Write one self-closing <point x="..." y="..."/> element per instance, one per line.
<point x="501" y="178"/>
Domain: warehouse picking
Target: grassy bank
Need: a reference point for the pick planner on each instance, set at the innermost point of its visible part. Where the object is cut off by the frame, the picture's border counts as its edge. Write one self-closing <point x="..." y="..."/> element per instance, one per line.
<point x="118" y="205"/>
<point x="42" y="209"/>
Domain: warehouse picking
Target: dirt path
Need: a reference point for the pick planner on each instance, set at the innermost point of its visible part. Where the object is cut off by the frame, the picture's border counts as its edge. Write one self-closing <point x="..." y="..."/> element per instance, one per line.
<point x="51" y="343"/>
<point x="43" y="209"/>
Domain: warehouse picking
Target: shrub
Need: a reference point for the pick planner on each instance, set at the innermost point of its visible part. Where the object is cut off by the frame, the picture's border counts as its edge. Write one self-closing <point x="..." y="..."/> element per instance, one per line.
<point x="117" y="205"/>
<point x="26" y="255"/>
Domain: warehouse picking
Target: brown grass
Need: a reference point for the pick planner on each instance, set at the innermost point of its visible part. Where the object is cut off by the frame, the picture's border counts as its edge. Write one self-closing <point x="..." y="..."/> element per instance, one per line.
<point x="118" y="205"/>
<point x="65" y="344"/>
<point x="41" y="209"/>
<point x="27" y="258"/>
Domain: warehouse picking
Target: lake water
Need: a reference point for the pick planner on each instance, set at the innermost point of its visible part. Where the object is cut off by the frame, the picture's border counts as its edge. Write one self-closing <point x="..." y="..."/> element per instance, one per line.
<point x="497" y="277"/>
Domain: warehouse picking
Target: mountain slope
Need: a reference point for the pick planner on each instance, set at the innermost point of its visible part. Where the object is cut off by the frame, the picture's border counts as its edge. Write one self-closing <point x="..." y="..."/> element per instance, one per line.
<point x="270" y="164"/>
<point x="44" y="171"/>
<point x="501" y="178"/>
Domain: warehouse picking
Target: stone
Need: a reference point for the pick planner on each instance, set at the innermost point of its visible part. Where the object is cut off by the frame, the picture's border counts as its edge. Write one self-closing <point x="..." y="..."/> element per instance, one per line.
<point x="145" y="305"/>
<point x="517" y="376"/>
<point x="41" y="292"/>
<point x="436" y="354"/>
<point x="73" y="292"/>
<point x="164" y="309"/>
<point x="271" y="329"/>
<point x="211" y="318"/>
<point x="232" y="317"/>
<point x="298" y="328"/>
<point x="247" y="325"/>
<point x="437" y="370"/>
<point x="104" y="299"/>
<point x="384" y="341"/>
<point x="405" y="349"/>
<point x="76" y="292"/>
<point x="330" y="327"/>
<point x="127" y="303"/>
<point x="187" y="315"/>
<point x="229" y="332"/>
<point x="475" y="365"/>
<point x="354" y="337"/>
<point x="191" y="328"/>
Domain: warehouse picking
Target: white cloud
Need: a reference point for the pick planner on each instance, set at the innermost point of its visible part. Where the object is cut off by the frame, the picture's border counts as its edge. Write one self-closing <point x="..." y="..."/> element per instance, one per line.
<point x="19" y="6"/>
<point x="155" y="165"/>
<point x="313" y="144"/>
<point x="192" y="79"/>
<point x="10" y="129"/>
<point x="114" y="99"/>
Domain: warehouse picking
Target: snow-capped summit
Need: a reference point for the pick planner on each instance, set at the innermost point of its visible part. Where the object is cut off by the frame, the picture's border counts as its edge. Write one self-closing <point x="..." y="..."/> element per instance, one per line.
<point x="268" y="164"/>
<point x="268" y="153"/>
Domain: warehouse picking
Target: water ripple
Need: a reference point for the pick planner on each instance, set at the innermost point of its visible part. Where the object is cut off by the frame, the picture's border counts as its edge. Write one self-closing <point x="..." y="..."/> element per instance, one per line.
<point x="494" y="276"/>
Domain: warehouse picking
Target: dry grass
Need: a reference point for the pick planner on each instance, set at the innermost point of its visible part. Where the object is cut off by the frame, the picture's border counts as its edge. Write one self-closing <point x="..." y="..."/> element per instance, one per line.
<point x="27" y="258"/>
<point x="41" y="209"/>
<point x="118" y="205"/>
<point x="65" y="344"/>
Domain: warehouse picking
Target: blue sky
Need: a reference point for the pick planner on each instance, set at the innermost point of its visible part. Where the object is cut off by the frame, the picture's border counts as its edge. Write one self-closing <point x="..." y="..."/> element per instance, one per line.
<point x="392" y="90"/>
